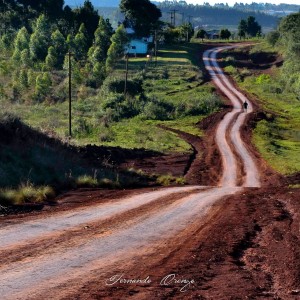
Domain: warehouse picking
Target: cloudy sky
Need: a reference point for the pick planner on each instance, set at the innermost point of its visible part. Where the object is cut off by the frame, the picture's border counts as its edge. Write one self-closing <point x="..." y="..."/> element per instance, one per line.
<point x="231" y="2"/>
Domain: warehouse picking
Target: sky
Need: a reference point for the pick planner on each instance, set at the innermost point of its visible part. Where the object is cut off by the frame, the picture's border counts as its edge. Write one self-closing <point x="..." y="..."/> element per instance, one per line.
<point x="231" y="2"/>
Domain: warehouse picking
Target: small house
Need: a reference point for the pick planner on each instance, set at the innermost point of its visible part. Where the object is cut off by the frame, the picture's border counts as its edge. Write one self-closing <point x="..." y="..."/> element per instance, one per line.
<point x="137" y="47"/>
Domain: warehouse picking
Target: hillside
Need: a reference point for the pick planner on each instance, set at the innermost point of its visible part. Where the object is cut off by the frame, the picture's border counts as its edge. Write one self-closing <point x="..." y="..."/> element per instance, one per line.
<point x="96" y="3"/>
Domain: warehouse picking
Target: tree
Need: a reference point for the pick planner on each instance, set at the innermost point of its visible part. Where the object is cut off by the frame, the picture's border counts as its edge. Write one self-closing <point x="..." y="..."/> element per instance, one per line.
<point x="119" y="40"/>
<point x="88" y="16"/>
<point x="43" y="85"/>
<point x="50" y="8"/>
<point x="290" y="24"/>
<point x="201" y="34"/>
<point x="186" y="31"/>
<point x="242" y="29"/>
<point x="51" y="59"/>
<point x="40" y="39"/>
<point x="253" y="28"/>
<point x="141" y="15"/>
<point x="21" y="42"/>
<point x="59" y="48"/>
<point x="81" y="43"/>
<point x="25" y="58"/>
<point x="99" y="73"/>
<point x="172" y="35"/>
<point x="70" y="43"/>
<point x="98" y="52"/>
<point x="225" y="34"/>
<point x="23" y="78"/>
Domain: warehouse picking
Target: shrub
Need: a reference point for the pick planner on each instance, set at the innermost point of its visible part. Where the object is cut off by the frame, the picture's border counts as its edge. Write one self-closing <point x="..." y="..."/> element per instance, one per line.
<point x="272" y="37"/>
<point x="116" y="85"/>
<point x="86" y="181"/>
<point x="263" y="78"/>
<point x="166" y="180"/>
<point x="206" y="103"/>
<point x="158" y="110"/>
<point x="26" y="194"/>
<point x="82" y="127"/>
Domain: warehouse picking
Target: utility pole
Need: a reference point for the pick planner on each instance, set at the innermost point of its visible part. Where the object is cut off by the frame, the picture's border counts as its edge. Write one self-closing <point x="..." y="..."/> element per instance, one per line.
<point x="182" y="21"/>
<point x="174" y="12"/>
<point x="70" y="94"/>
<point x="155" y="47"/>
<point x="126" y="75"/>
<point x="173" y="16"/>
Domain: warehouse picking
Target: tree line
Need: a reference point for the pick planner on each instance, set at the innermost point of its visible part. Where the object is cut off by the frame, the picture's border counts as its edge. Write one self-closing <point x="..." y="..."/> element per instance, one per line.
<point x="212" y="15"/>
<point x="40" y="37"/>
<point x="286" y="38"/>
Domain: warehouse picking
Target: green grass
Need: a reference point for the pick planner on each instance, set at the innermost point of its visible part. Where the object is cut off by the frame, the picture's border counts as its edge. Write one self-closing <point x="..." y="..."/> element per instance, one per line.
<point x="278" y="137"/>
<point x="137" y="133"/>
<point x="166" y="180"/>
<point x="26" y="194"/>
<point x="186" y="124"/>
<point x="176" y="79"/>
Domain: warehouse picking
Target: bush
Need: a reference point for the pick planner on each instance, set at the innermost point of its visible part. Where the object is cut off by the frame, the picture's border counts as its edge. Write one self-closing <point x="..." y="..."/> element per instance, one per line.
<point x="206" y="103"/>
<point x="82" y="127"/>
<point x="263" y="78"/>
<point x="116" y="86"/>
<point x="272" y="37"/>
<point x="26" y="194"/>
<point x="86" y="181"/>
<point x="106" y="135"/>
<point x="155" y="109"/>
<point x="166" y="180"/>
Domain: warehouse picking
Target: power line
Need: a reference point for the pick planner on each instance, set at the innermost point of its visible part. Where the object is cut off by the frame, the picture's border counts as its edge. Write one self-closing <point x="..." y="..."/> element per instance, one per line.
<point x="173" y="16"/>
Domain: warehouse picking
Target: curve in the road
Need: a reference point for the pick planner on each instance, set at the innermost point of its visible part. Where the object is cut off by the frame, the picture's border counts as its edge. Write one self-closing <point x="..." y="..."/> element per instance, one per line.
<point x="237" y="98"/>
<point x="30" y="276"/>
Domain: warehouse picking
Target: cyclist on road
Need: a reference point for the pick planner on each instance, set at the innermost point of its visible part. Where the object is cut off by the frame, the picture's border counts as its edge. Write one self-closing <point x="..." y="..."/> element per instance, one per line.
<point x="245" y="105"/>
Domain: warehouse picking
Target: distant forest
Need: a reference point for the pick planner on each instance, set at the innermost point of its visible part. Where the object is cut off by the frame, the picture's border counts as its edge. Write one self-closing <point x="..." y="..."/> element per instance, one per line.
<point x="206" y="15"/>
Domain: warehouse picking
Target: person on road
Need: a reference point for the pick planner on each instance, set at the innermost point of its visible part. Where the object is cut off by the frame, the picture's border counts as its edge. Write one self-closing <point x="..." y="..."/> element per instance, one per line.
<point x="245" y="105"/>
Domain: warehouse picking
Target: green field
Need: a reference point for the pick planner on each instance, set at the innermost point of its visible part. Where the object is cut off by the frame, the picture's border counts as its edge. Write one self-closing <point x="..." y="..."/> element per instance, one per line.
<point x="277" y="137"/>
<point x="176" y="84"/>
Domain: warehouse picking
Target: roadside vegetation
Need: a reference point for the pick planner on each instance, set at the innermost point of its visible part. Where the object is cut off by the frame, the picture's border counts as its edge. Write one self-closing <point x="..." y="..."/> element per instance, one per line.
<point x="37" y="47"/>
<point x="277" y="135"/>
<point x="34" y="167"/>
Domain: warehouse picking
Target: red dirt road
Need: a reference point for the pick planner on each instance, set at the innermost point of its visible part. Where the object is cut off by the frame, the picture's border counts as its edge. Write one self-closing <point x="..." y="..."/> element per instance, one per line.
<point x="194" y="242"/>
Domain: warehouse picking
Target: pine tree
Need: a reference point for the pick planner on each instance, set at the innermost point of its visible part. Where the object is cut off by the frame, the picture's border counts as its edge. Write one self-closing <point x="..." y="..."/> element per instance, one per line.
<point x="99" y="73"/>
<point x="39" y="40"/>
<point x="70" y="43"/>
<point x="51" y="60"/>
<point x="116" y="50"/>
<point x="98" y="52"/>
<point x="16" y="55"/>
<point x="23" y="78"/>
<point x="25" y="58"/>
<point x="60" y="48"/>
<point x="242" y="29"/>
<point x="81" y="43"/>
<point x="43" y="84"/>
<point x="21" y="42"/>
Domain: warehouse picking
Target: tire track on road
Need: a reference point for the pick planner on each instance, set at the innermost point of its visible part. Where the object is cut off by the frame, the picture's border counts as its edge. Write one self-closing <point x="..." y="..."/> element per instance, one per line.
<point x="237" y="98"/>
<point x="34" y="276"/>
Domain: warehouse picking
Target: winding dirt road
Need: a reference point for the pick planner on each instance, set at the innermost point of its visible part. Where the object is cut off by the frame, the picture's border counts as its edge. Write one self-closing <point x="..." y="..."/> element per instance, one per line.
<point x="53" y="257"/>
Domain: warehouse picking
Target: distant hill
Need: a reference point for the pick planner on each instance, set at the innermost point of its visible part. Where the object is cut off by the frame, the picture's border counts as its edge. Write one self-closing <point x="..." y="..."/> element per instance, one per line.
<point x="97" y="3"/>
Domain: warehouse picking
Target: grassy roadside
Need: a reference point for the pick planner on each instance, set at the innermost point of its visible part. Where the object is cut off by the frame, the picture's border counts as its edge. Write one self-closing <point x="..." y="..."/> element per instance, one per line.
<point x="277" y="136"/>
<point x="178" y="96"/>
<point x="175" y="86"/>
